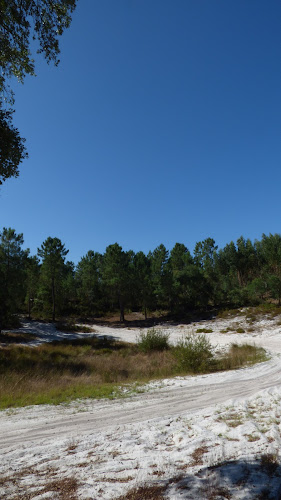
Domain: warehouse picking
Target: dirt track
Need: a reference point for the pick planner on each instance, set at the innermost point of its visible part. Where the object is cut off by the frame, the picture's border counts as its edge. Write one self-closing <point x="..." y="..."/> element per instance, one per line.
<point x="196" y="393"/>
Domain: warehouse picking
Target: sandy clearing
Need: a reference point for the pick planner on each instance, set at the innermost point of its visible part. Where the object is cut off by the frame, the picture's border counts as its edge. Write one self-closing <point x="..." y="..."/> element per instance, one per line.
<point x="162" y="426"/>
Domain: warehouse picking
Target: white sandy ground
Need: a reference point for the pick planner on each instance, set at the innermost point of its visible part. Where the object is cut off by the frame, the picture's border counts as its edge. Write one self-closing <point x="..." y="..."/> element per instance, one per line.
<point x="208" y="435"/>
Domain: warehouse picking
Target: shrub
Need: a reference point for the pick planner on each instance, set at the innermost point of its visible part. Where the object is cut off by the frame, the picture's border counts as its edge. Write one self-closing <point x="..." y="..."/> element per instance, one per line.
<point x="204" y="330"/>
<point x="194" y="353"/>
<point x="153" y="340"/>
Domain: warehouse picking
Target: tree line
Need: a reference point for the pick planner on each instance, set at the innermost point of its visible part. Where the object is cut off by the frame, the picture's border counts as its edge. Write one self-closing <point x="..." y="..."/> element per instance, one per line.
<point x="47" y="285"/>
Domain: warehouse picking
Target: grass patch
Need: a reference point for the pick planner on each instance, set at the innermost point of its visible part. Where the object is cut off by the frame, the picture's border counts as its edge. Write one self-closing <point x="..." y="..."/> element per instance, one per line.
<point x="16" y="337"/>
<point x="204" y="330"/>
<point x="230" y="313"/>
<point x="232" y="419"/>
<point x="94" y="367"/>
<point x="241" y="355"/>
<point x="72" y="327"/>
<point x="81" y="368"/>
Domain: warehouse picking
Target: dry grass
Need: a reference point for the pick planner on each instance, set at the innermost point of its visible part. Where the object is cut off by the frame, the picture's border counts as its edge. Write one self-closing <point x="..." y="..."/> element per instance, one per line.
<point x="58" y="372"/>
<point x="242" y="355"/>
<point x="145" y="493"/>
<point x="64" y="489"/>
<point x="41" y="482"/>
<point x="72" y="445"/>
<point x="94" y="368"/>
<point x="16" y="337"/>
<point x="197" y="455"/>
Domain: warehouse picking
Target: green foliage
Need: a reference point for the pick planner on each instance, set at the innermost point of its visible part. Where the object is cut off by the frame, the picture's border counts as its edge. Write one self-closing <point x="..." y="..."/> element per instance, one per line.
<point x="117" y="274"/>
<point x="48" y="21"/>
<point x="12" y="275"/>
<point x="142" y="289"/>
<point x="161" y="276"/>
<point x="153" y="340"/>
<point x="88" y="282"/>
<point x="21" y="21"/>
<point x="194" y="354"/>
<point x="53" y="272"/>
<point x="204" y="330"/>
<point x="164" y="281"/>
<point x="188" y="286"/>
<point x="12" y="148"/>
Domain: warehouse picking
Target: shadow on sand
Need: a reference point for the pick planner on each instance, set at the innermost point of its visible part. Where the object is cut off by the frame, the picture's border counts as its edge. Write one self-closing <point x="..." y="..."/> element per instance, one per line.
<point x="259" y="479"/>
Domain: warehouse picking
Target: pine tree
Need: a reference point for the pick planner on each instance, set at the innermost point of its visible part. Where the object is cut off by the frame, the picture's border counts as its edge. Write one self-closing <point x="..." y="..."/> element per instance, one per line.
<point x="52" y="253"/>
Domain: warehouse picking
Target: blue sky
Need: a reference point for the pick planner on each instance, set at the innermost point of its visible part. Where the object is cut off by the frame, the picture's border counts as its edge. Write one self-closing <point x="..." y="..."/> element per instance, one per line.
<point x="162" y="124"/>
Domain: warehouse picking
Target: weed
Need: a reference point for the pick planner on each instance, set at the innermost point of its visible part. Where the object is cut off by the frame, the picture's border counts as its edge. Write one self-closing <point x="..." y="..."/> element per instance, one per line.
<point x="232" y="419"/>
<point x="252" y="437"/>
<point x="72" y="445"/>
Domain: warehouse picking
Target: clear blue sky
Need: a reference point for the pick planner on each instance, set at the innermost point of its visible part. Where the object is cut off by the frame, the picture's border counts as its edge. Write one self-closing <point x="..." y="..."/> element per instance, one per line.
<point x="162" y="124"/>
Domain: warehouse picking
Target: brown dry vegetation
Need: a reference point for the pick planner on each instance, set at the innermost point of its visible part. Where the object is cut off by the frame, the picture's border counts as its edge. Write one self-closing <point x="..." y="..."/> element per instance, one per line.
<point x="93" y="368"/>
<point x="145" y="493"/>
<point x="41" y="482"/>
<point x="57" y="372"/>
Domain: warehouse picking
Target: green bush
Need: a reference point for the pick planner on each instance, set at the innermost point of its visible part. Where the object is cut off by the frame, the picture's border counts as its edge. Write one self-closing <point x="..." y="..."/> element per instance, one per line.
<point x="194" y="353"/>
<point x="204" y="330"/>
<point x="153" y="340"/>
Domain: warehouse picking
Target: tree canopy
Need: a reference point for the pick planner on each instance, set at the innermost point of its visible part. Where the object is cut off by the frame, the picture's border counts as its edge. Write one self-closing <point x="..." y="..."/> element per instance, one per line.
<point x="173" y="281"/>
<point x="20" y="22"/>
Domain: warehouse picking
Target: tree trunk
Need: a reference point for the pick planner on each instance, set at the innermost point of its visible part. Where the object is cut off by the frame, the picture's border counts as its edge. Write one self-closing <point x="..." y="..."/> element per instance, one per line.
<point x="29" y="308"/>
<point x="239" y="277"/>
<point x="121" y="306"/>
<point x="145" y="312"/>
<point x="53" y="298"/>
